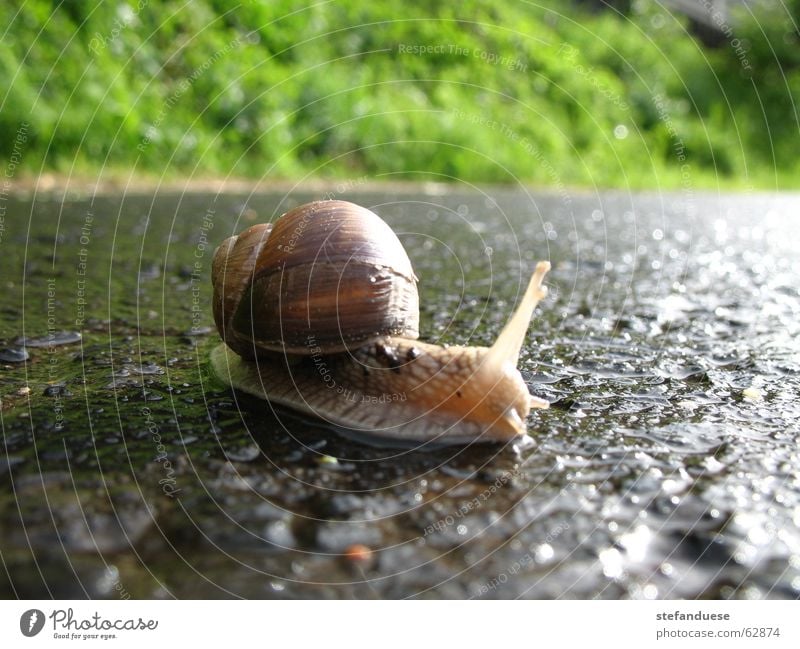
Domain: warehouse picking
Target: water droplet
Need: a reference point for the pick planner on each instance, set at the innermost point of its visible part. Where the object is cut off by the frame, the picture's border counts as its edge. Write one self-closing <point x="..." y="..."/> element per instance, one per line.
<point x="612" y="562"/>
<point x="544" y="553"/>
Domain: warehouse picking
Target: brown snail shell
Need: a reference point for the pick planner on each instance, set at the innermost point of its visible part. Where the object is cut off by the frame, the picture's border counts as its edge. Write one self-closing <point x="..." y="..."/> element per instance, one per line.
<point x="328" y="274"/>
<point x="322" y="312"/>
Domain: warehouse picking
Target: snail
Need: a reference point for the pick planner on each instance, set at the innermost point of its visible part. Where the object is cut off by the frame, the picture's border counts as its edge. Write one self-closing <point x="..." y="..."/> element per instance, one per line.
<point x="320" y="312"/>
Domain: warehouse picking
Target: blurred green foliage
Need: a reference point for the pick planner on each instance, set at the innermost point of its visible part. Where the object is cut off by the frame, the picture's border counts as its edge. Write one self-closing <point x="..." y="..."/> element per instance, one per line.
<point x="543" y="92"/>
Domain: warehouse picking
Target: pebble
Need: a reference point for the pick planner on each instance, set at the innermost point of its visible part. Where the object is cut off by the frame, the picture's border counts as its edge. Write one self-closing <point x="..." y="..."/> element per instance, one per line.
<point x="279" y="533"/>
<point x="57" y="391"/>
<point x="50" y="340"/>
<point x="244" y="454"/>
<point x="198" y="331"/>
<point x="14" y="355"/>
<point x="359" y="554"/>
<point x="752" y="394"/>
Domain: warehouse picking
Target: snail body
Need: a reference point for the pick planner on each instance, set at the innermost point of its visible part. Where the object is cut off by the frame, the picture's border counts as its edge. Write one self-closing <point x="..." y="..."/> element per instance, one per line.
<point x="319" y="312"/>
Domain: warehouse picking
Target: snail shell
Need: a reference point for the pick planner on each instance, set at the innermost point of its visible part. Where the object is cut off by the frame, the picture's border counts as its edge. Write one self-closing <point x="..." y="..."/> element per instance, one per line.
<point x="328" y="274"/>
<point x="322" y="312"/>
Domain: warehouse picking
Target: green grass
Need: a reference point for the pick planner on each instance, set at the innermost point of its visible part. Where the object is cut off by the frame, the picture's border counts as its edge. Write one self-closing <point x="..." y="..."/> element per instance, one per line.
<point x="545" y="93"/>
